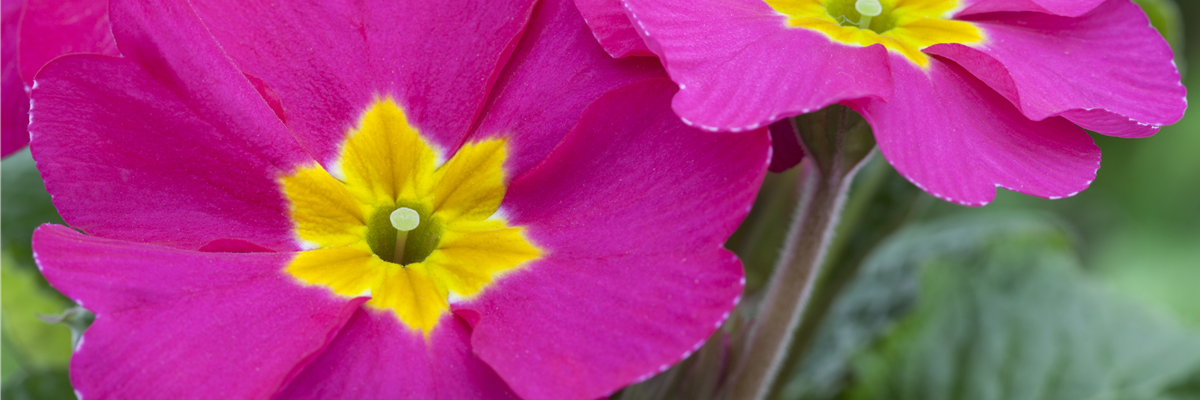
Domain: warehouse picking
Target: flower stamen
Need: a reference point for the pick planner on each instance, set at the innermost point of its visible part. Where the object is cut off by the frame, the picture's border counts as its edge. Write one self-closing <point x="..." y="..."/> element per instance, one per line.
<point x="868" y="9"/>
<point x="904" y="27"/>
<point x="404" y="219"/>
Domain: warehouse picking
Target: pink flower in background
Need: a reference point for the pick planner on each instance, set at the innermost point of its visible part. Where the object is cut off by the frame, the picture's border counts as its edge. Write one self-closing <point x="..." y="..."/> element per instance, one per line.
<point x="612" y="29"/>
<point x="344" y="200"/>
<point x="964" y="96"/>
<point x="36" y="31"/>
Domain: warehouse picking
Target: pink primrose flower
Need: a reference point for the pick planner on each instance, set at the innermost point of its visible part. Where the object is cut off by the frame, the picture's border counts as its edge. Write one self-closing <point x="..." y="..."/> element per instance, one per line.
<point x="379" y="199"/>
<point x="612" y="29"/>
<point x="963" y="95"/>
<point x="35" y="32"/>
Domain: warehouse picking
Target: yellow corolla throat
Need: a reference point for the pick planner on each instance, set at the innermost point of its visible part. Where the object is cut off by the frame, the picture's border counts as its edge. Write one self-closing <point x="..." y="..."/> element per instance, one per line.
<point x="397" y="226"/>
<point x="902" y="26"/>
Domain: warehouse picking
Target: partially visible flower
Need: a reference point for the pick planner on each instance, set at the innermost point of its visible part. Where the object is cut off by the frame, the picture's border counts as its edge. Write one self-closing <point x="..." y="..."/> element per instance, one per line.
<point x="963" y="95"/>
<point x="35" y="32"/>
<point x="611" y="27"/>
<point x="375" y="200"/>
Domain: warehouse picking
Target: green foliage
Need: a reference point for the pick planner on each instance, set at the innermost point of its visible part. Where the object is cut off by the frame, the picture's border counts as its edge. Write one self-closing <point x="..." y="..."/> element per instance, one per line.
<point x="26" y="203"/>
<point x="1004" y="312"/>
<point x="42" y="385"/>
<point x="9" y="364"/>
<point x="884" y="291"/>
<point x="35" y="353"/>
<point x="36" y="343"/>
<point x="1161" y="268"/>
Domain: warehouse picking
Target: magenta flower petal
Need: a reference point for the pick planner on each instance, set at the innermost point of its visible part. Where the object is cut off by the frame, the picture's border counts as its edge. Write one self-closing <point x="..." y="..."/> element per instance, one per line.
<point x="548" y="336"/>
<point x="1130" y="95"/>
<point x="957" y="139"/>
<point x="623" y="127"/>
<point x="633" y="279"/>
<point x="127" y="157"/>
<point x="612" y="28"/>
<point x="15" y="101"/>
<point x="375" y="357"/>
<point x="169" y="40"/>
<point x="786" y="150"/>
<point x="556" y="71"/>
<point x="35" y="33"/>
<point x="327" y="59"/>
<point x="171" y="145"/>
<point x="52" y="28"/>
<point x="164" y="318"/>
<point x="1068" y="8"/>
<point x="177" y="145"/>
<point x="727" y="56"/>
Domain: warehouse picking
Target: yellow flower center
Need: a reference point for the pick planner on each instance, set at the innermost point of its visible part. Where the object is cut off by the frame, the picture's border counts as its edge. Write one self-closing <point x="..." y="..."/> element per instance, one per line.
<point x="902" y="26"/>
<point x="391" y="194"/>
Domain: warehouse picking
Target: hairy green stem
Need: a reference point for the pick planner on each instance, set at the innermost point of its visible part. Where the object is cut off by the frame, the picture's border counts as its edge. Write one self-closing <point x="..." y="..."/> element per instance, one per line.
<point x="834" y="140"/>
<point x="880" y="201"/>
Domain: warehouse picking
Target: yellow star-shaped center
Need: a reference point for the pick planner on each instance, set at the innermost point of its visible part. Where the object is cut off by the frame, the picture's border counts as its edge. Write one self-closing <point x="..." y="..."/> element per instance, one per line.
<point x="452" y="243"/>
<point x="902" y="26"/>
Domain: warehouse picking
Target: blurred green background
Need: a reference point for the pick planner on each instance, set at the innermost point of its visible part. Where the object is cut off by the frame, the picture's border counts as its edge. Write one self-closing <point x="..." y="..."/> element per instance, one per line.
<point x="1091" y="297"/>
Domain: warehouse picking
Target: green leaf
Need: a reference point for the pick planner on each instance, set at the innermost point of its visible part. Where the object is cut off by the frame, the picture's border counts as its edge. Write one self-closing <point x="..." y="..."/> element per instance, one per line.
<point x="26" y="203"/>
<point x="9" y="364"/>
<point x="1155" y="266"/>
<point x="36" y="344"/>
<point x="52" y="384"/>
<point x="26" y="206"/>
<point x="1004" y="312"/>
<point x="884" y="291"/>
<point x="35" y="353"/>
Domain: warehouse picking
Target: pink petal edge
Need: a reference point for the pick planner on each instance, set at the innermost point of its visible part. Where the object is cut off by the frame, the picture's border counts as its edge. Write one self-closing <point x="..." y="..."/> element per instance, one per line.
<point x="611" y="27"/>
<point x="51" y="28"/>
<point x="631" y="210"/>
<point x="556" y="71"/>
<point x="1107" y="71"/>
<point x="158" y="308"/>
<point x="727" y="56"/>
<point x="377" y="357"/>
<point x="957" y="139"/>
<point x="1066" y="8"/>
<point x="786" y="151"/>
<point x="329" y="60"/>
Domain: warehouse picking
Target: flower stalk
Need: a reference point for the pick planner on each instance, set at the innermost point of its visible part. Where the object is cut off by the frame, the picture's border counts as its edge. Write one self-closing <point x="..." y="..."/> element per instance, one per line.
<point x="837" y="141"/>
